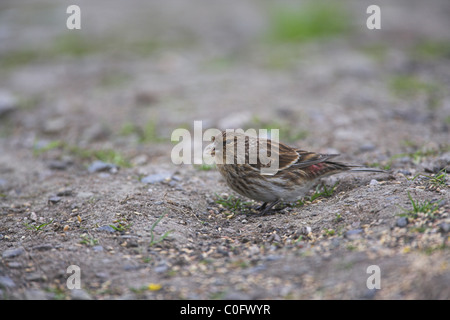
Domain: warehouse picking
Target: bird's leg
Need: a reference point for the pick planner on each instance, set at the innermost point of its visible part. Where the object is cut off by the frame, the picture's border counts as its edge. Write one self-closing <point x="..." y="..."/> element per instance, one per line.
<point x="261" y="207"/>
<point x="265" y="209"/>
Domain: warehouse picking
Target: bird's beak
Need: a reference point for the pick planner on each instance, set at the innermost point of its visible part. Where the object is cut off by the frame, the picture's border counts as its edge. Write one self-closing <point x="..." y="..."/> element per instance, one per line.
<point x="209" y="151"/>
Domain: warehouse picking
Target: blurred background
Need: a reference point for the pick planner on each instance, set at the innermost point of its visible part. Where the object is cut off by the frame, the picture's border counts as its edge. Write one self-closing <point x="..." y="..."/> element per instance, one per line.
<point x="76" y="102"/>
<point x="138" y="70"/>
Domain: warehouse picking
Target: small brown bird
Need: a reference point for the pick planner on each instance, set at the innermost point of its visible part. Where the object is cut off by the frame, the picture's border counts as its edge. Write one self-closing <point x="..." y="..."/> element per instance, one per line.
<point x="269" y="171"/>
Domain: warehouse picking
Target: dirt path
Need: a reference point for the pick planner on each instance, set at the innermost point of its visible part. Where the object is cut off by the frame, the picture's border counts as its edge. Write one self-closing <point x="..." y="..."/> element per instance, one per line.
<point x="138" y="226"/>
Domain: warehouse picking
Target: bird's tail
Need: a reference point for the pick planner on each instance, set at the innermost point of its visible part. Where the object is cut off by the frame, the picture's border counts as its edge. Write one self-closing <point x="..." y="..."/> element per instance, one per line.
<point x="353" y="168"/>
<point x="363" y="169"/>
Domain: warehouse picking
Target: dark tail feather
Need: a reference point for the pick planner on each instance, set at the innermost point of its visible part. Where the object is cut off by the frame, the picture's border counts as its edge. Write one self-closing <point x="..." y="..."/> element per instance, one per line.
<point x="362" y="169"/>
<point x="353" y="168"/>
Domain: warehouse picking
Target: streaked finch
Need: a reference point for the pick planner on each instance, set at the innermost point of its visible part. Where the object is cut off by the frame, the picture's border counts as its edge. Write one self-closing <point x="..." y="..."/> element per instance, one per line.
<point x="246" y="171"/>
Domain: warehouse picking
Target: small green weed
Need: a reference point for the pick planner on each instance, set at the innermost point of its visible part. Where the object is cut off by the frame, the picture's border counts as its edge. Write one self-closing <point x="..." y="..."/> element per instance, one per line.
<point x="288" y="132"/>
<point x="88" y="240"/>
<point x="431" y="50"/>
<point x="105" y="155"/>
<point x="121" y="225"/>
<point x="154" y="241"/>
<point x="419" y="155"/>
<point x="312" y="20"/>
<point x="338" y="217"/>
<point x="436" y="180"/>
<point x="146" y="133"/>
<point x="328" y="232"/>
<point x="379" y="165"/>
<point x="439" y="179"/>
<point x="426" y="207"/>
<point x="233" y="203"/>
<point x="408" y="86"/>
<point x="38" y="150"/>
<point x="321" y="191"/>
<point x="324" y="193"/>
<point x="204" y="167"/>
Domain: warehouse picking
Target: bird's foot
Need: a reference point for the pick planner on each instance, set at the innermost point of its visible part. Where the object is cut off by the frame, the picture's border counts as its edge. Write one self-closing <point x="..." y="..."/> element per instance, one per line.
<point x="267" y="209"/>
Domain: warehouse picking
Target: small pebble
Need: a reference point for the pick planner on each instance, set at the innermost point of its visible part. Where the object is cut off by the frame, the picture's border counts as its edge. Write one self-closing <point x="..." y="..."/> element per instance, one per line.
<point x="161" y="268"/>
<point x="444" y="227"/>
<point x="3" y="183"/>
<point x="11" y="253"/>
<point x="6" y="282"/>
<point x="373" y="182"/>
<point x="35" y="294"/>
<point x="64" y="193"/>
<point x="8" y="103"/>
<point x="272" y="257"/>
<point x="80" y="294"/>
<point x="33" y="216"/>
<point x="57" y="165"/>
<point x="367" y="147"/>
<point x="405" y="172"/>
<point x="54" y="199"/>
<point x="100" y="166"/>
<point x="97" y="248"/>
<point x="353" y="234"/>
<point x="401" y="222"/>
<point x="106" y="228"/>
<point x="154" y="178"/>
<point x="43" y="247"/>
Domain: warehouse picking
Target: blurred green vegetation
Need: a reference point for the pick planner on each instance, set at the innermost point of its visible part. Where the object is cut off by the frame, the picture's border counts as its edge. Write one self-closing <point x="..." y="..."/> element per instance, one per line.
<point x="308" y="21"/>
<point x="146" y="133"/>
<point x="410" y="87"/>
<point x="76" y="45"/>
<point x="428" y="50"/>
<point x="105" y="155"/>
<point x="288" y="132"/>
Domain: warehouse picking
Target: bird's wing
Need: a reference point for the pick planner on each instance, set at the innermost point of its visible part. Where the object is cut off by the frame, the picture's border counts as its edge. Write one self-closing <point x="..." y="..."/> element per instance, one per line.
<point x="279" y="156"/>
<point x="307" y="158"/>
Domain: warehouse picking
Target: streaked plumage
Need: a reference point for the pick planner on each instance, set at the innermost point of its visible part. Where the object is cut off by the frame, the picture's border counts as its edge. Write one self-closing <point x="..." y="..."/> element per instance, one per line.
<point x="297" y="170"/>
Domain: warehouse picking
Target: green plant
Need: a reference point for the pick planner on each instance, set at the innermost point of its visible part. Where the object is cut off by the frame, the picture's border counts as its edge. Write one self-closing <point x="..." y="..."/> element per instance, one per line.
<point x="233" y="203"/>
<point x="105" y="155"/>
<point x="419" y="155"/>
<point x="154" y="241"/>
<point x="408" y="86"/>
<point x="436" y="180"/>
<point x="146" y="133"/>
<point x="328" y="232"/>
<point x="205" y="167"/>
<point x="426" y="207"/>
<point x="120" y="225"/>
<point x="431" y="50"/>
<point x="324" y="193"/>
<point x="439" y="179"/>
<point x="37" y="227"/>
<point x="111" y="156"/>
<point x="37" y="150"/>
<point x="386" y="166"/>
<point x="88" y="240"/>
<point x="287" y="131"/>
<point x="312" y="20"/>
<point x="321" y="191"/>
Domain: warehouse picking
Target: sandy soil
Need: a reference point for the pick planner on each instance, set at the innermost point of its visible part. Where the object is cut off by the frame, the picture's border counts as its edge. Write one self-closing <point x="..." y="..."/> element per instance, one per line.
<point x="115" y="90"/>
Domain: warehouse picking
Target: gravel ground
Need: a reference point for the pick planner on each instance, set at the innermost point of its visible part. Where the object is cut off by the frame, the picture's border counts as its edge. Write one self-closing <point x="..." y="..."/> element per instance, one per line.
<point x="86" y="177"/>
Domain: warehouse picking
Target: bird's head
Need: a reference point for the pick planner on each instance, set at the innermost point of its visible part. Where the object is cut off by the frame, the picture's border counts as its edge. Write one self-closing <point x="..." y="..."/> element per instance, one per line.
<point x="230" y="147"/>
